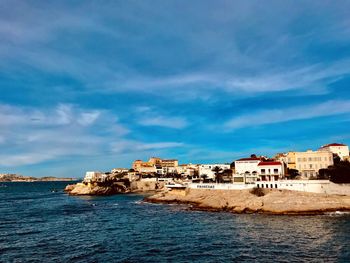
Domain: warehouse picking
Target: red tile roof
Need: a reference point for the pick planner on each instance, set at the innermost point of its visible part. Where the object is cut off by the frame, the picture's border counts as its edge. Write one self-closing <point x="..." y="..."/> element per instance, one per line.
<point x="333" y="144"/>
<point x="250" y="159"/>
<point x="269" y="163"/>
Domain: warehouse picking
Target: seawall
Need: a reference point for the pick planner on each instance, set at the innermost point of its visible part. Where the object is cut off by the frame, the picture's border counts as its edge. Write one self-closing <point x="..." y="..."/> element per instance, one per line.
<point x="310" y="186"/>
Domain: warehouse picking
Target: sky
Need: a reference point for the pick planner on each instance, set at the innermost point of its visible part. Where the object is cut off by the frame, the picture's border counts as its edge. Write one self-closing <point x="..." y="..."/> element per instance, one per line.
<point x="94" y="85"/>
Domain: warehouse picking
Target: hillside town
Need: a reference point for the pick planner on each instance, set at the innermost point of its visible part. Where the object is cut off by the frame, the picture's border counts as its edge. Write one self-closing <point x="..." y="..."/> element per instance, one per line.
<point x="291" y="170"/>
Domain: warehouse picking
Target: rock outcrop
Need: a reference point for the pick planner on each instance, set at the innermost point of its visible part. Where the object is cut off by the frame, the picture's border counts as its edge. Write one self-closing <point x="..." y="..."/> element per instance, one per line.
<point x="112" y="188"/>
<point x="95" y="189"/>
<point x="270" y="201"/>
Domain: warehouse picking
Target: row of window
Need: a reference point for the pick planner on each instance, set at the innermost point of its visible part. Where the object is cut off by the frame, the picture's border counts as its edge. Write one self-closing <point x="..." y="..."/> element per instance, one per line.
<point x="275" y="171"/>
<point x="266" y="185"/>
<point x="314" y="159"/>
<point x="311" y="166"/>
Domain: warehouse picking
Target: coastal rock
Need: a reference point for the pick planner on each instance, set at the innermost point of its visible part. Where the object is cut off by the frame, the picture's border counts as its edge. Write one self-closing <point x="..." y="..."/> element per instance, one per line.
<point x="146" y="186"/>
<point x="272" y="201"/>
<point x="95" y="189"/>
<point x="113" y="188"/>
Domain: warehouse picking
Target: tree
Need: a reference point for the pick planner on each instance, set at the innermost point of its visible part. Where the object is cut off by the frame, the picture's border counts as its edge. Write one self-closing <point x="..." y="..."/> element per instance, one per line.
<point x="227" y="174"/>
<point x="218" y="175"/>
<point x="336" y="158"/>
<point x="204" y="176"/>
<point x="323" y="174"/>
<point x="253" y="155"/>
<point x="339" y="173"/>
<point x="292" y="173"/>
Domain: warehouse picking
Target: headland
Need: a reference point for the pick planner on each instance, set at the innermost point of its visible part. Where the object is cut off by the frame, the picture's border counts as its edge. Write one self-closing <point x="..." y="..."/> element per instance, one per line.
<point x="21" y="178"/>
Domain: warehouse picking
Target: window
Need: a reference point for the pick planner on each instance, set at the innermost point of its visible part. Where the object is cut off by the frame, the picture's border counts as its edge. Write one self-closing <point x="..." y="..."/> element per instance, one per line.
<point x="275" y="185"/>
<point x="263" y="171"/>
<point x="275" y="171"/>
<point x="310" y="166"/>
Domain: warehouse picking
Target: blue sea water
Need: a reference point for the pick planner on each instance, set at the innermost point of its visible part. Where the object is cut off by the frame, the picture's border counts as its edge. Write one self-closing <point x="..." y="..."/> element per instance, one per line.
<point x="38" y="225"/>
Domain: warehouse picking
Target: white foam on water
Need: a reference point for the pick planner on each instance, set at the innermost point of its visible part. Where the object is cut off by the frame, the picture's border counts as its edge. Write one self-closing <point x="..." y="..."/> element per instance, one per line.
<point x="338" y="213"/>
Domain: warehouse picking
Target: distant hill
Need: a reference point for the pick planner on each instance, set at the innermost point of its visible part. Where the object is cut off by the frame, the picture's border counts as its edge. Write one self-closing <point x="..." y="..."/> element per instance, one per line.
<point x="21" y="178"/>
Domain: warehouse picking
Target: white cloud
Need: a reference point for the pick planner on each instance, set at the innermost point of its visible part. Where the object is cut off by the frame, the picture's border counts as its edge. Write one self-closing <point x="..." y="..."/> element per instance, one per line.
<point x="88" y="118"/>
<point x="30" y="136"/>
<point x="159" y="145"/>
<point x="328" y="108"/>
<point x="128" y="146"/>
<point x="162" y="121"/>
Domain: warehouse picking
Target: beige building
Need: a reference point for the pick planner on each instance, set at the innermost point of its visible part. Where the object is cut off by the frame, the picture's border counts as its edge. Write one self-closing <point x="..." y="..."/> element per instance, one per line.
<point x="155" y="161"/>
<point x="341" y="150"/>
<point x="156" y="165"/>
<point x="143" y="167"/>
<point x="310" y="162"/>
<point x="169" y="163"/>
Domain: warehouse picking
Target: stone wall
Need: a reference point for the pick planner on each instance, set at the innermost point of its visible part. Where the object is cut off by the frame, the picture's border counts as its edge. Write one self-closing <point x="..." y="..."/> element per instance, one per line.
<point x="311" y="186"/>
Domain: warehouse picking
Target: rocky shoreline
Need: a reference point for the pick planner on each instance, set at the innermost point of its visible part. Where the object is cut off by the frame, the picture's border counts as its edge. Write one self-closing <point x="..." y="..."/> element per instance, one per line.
<point x="121" y="187"/>
<point x="267" y="201"/>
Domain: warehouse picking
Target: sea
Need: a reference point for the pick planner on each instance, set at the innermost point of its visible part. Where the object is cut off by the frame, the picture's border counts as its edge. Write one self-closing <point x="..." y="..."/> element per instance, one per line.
<point x="41" y="223"/>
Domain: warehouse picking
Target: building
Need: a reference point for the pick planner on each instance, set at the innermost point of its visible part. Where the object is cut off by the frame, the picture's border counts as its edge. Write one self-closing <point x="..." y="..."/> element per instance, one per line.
<point x="147" y="169"/>
<point x="94" y="177"/>
<point x="247" y="165"/>
<point x="169" y="163"/>
<point x="169" y="166"/>
<point x="155" y="161"/>
<point x="144" y="167"/>
<point x="310" y="162"/>
<point x="156" y="165"/>
<point x="119" y="170"/>
<point x="188" y="169"/>
<point x="341" y="150"/>
<point x="270" y="171"/>
<point x="207" y="169"/>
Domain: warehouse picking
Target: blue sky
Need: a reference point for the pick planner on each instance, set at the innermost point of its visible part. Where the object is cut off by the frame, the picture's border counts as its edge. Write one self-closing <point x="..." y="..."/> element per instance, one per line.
<point x="92" y="85"/>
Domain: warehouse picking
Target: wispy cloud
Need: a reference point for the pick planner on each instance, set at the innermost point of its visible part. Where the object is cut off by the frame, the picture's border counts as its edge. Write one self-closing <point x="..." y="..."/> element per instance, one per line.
<point x="264" y="117"/>
<point x="32" y="136"/>
<point x="129" y="146"/>
<point x="169" y="122"/>
<point x="148" y="116"/>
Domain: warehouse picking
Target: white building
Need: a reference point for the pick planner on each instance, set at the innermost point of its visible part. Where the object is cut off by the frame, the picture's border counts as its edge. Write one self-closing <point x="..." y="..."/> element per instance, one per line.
<point x="337" y="148"/>
<point x="147" y="169"/>
<point x="270" y="171"/>
<point x="119" y="170"/>
<point x="247" y="165"/>
<point x="94" y="176"/>
<point x="207" y="169"/>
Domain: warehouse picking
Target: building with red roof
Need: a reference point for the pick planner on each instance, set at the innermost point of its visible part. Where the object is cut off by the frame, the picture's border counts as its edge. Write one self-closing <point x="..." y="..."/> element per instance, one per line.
<point x="342" y="150"/>
<point x="257" y="169"/>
